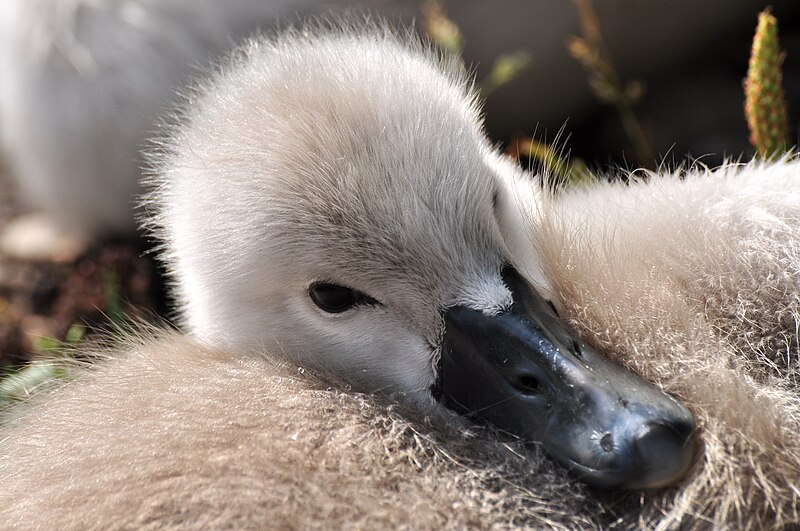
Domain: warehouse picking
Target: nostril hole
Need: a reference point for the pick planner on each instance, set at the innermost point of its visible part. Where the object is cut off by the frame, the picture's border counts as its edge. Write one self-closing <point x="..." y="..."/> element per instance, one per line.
<point x="529" y="385"/>
<point x="607" y="443"/>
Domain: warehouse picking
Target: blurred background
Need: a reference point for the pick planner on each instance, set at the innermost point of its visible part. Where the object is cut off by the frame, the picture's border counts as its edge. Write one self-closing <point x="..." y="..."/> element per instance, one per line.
<point x="690" y="59"/>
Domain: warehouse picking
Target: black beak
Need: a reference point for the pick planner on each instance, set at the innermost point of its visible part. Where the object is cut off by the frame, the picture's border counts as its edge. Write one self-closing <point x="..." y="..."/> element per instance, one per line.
<point x="526" y="372"/>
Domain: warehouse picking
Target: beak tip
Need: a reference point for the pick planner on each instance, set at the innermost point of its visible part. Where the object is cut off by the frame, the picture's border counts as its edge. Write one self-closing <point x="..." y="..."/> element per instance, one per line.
<point x="665" y="453"/>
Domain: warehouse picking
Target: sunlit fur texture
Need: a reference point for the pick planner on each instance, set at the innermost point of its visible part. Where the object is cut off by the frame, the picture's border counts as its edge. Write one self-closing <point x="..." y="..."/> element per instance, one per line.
<point x="177" y="435"/>
<point x="694" y="282"/>
<point x="691" y="280"/>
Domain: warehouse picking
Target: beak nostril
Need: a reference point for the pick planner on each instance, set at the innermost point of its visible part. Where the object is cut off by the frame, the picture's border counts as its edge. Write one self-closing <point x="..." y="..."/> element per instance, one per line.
<point x="529" y="385"/>
<point x="607" y="442"/>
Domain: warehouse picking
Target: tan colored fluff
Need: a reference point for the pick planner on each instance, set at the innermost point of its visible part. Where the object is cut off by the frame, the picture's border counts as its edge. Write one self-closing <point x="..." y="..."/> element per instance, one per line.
<point x="177" y="435"/>
<point x="694" y="281"/>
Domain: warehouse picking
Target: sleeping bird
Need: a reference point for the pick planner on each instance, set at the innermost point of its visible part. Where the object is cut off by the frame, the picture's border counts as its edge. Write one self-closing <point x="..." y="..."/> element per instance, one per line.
<point x="475" y="348"/>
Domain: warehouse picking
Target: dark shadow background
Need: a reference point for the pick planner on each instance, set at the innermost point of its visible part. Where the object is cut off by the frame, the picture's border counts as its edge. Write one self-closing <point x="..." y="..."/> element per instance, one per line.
<point x="691" y="56"/>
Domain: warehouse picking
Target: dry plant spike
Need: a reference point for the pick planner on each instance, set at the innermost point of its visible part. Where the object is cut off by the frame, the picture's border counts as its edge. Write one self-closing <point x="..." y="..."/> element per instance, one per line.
<point x="590" y="51"/>
<point x="504" y="70"/>
<point x="765" y="103"/>
<point x="446" y="34"/>
<point x="554" y="164"/>
<point x="440" y="28"/>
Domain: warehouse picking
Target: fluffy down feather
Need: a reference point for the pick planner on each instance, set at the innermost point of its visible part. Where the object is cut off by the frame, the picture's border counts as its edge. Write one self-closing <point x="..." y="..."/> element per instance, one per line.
<point x="693" y="281"/>
<point x="175" y="434"/>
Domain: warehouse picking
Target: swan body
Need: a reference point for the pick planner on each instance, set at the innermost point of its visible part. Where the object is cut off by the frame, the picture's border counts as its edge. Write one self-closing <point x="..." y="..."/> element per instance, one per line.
<point x="214" y="439"/>
<point x="298" y="167"/>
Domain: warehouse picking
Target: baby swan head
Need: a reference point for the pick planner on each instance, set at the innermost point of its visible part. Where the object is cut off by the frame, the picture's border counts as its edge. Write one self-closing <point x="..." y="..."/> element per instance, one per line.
<point x="331" y="196"/>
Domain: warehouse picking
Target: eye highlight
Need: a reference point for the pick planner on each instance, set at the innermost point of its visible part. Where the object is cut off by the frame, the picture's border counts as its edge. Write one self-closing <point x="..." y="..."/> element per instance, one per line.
<point x="337" y="299"/>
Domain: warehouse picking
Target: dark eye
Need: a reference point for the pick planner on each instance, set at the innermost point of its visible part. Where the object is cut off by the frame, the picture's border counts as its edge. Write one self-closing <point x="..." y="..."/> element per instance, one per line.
<point x="337" y="299"/>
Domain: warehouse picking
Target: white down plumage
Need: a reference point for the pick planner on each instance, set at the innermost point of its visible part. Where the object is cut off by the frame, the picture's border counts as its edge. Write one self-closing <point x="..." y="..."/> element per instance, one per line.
<point x="345" y="182"/>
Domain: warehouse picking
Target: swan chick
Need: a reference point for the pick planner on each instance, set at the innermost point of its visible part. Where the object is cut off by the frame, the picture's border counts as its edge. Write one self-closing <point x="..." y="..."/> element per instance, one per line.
<point x="691" y="278"/>
<point x="331" y="196"/>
